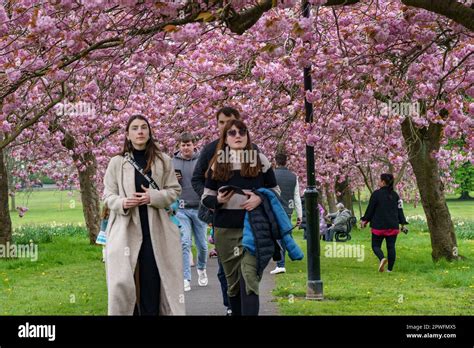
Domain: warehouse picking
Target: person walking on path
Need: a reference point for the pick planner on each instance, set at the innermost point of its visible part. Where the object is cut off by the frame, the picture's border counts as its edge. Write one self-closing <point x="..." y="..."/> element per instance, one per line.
<point x="290" y="197"/>
<point x="245" y="170"/>
<point x="385" y="214"/>
<point x="184" y="162"/>
<point x="223" y="115"/>
<point x="144" y="271"/>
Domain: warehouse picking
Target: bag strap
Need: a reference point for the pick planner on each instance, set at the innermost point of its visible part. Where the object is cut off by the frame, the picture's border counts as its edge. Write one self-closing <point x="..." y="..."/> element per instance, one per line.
<point x="148" y="178"/>
<point x="141" y="171"/>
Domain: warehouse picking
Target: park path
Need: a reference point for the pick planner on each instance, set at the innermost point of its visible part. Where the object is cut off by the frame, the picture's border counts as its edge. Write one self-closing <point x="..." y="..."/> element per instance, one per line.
<point x="208" y="300"/>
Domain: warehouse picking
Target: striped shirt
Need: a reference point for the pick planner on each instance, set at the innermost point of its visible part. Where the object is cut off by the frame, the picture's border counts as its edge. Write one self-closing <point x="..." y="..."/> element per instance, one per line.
<point x="231" y="214"/>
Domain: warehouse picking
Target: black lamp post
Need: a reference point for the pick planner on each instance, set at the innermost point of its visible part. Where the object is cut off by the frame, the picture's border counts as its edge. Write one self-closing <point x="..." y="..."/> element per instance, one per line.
<point x="314" y="290"/>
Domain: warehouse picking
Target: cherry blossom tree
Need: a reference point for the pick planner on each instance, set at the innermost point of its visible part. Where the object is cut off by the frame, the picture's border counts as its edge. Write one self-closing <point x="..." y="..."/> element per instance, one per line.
<point x="177" y="62"/>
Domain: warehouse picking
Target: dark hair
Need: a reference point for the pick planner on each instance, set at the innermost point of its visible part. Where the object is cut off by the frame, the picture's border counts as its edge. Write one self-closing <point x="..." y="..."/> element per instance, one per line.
<point x="280" y="159"/>
<point x="228" y="111"/>
<point x="186" y="137"/>
<point x="151" y="151"/>
<point x="388" y="179"/>
<point x="223" y="171"/>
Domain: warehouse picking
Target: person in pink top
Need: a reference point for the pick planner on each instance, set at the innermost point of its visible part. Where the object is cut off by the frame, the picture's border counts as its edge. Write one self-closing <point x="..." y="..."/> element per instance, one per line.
<point x="385" y="214"/>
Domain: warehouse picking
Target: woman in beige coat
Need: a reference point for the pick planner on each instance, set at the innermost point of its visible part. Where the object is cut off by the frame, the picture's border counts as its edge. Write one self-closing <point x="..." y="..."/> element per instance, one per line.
<point x="143" y="259"/>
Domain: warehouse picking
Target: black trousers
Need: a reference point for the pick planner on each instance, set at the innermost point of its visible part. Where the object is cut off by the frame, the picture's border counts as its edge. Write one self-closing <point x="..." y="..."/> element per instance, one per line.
<point x="148" y="276"/>
<point x="377" y="248"/>
<point x="244" y="304"/>
<point x="223" y="282"/>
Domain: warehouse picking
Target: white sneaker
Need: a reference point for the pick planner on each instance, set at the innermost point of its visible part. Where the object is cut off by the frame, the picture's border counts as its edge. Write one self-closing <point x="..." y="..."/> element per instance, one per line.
<point x="187" y="285"/>
<point x="202" y="280"/>
<point x="278" y="270"/>
<point x="382" y="264"/>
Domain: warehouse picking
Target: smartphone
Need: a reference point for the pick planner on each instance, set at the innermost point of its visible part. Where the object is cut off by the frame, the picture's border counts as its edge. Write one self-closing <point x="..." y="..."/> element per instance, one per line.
<point x="178" y="172"/>
<point x="228" y="188"/>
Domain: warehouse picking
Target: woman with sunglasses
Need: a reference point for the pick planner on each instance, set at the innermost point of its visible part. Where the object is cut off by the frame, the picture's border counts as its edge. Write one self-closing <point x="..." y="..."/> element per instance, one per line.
<point x="234" y="171"/>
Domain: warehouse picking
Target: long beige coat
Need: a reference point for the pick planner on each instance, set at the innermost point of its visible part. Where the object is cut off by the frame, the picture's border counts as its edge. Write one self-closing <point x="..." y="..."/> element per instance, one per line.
<point x="124" y="237"/>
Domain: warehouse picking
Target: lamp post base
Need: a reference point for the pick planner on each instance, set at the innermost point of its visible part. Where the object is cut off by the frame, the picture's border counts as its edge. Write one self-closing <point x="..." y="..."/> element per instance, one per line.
<point x="314" y="290"/>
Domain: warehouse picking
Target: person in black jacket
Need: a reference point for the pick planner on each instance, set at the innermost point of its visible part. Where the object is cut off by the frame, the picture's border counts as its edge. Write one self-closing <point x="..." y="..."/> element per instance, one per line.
<point x="385" y="214"/>
<point x="235" y="171"/>
<point x="223" y="116"/>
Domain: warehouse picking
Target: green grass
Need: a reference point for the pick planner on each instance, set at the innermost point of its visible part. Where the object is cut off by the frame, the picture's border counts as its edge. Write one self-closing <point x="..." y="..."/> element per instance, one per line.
<point x="67" y="279"/>
<point x="44" y="207"/>
<point x="458" y="209"/>
<point x="48" y="206"/>
<point x="416" y="287"/>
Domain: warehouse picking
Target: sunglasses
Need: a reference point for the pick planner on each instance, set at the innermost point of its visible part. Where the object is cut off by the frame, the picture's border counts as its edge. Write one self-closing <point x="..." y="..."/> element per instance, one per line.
<point x="233" y="132"/>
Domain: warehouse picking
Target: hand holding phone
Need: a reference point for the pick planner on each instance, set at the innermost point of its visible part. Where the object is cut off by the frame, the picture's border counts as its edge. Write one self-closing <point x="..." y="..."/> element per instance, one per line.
<point x="232" y="188"/>
<point x="178" y="173"/>
<point x="224" y="196"/>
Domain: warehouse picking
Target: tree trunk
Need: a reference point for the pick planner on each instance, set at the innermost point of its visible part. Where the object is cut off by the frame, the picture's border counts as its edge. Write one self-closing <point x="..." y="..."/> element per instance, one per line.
<point x="13" y="204"/>
<point x="5" y="220"/>
<point x="344" y="195"/>
<point x="11" y="188"/>
<point x="330" y="198"/>
<point x="90" y="196"/>
<point x="465" y="196"/>
<point x="359" y="203"/>
<point x="420" y="144"/>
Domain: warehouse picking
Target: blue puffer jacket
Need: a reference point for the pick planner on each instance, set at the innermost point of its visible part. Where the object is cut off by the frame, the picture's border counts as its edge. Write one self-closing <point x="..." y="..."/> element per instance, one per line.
<point x="282" y="224"/>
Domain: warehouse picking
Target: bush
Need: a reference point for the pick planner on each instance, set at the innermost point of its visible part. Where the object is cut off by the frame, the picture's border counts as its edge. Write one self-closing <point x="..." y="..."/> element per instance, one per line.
<point x="45" y="233"/>
<point x="464" y="228"/>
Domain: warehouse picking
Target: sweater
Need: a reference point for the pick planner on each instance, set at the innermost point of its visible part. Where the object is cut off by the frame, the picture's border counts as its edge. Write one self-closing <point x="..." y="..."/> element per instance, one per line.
<point x="385" y="210"/>
<point x="231" y="214"/>
<point x="202" y="166"/>
<point x="189" y="198"/>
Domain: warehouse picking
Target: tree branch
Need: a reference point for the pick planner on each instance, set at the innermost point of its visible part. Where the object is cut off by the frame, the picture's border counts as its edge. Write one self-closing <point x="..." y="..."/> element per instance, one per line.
<point x="239" y="22"/>
<point x="7" y="140"/>
<point x="451" y="9"/>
